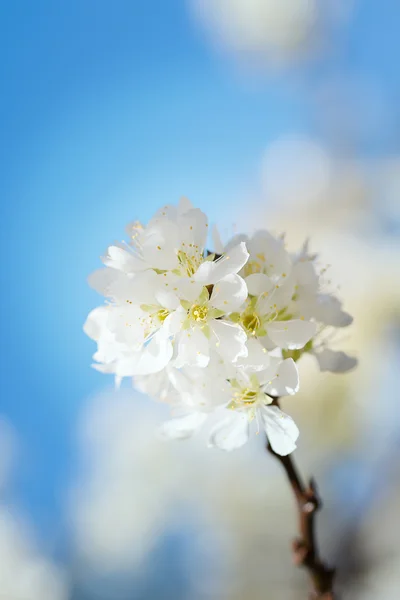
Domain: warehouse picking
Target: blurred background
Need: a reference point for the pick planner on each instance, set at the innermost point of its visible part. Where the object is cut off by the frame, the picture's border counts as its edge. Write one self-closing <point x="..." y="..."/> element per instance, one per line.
<point x="275" y="113"/>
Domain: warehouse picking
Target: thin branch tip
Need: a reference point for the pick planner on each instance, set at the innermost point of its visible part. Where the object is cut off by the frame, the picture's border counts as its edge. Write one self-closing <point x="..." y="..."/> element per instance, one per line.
<point x="305" y="548"/>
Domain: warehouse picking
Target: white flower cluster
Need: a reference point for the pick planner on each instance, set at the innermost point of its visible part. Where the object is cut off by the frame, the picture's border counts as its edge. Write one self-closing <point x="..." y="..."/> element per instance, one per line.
<point x="213" y="333"/>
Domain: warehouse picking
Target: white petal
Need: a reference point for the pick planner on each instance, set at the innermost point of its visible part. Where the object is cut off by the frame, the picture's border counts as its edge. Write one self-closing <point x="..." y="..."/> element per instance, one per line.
<point x="102" y="280"/>
<point x="159" y="245"/>
<point x="306" y="275"/>
<point x="336" y="362"/>
<point x="108" y="352"/>
<point x="216" y="238"/>
<point x="282" y="377"/>
<point x="258" y="283"/>
<point x="109" y="349"/>
<point x="167" y="212"/>
<point x="277" y="259"/>
<point x="193" y="228"/>
<point x="257" y="358"/>
<point x="235" y="241"/>
<point x="140" y="288"/>
<point x="192" y="349"/>
<point x="167" y="299"/>
<point x="124" y="367"/>
<point x="231" y="433"/>
<point x="329" y="311"/>
<point x="181" y="379"/>
<point x="230" y="340"/>
<point x="173" y="323"/>
<point x="183" y="427"/>
<point x="156" y="385"/>
<point x="293" y="334"/>
<point x="127" y="324"/>
<point x="153" y="357"/>
<point x="212" y="271"/>
<point x="304" y="253"/>
<point x="229" y="293"/>
<point x="188" y="289"/>
<point x="184" y="205"/>
<point x="281" y="430"/>
<point x="268" y="344"/>
<point x="96" y="322"/>
<point x="279" y="297"/>
<point x="123" y="260"/>
<point x="106" y="368"/>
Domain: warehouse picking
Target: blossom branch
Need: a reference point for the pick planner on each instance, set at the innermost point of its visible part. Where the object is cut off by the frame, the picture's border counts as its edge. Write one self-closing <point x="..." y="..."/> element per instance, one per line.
<point x="305" y="547"/>
<point x="191" y="326"/>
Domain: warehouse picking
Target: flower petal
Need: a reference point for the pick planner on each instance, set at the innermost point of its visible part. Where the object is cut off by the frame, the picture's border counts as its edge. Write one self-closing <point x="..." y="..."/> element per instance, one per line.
<point x="329" y="311"/>
<point x="104" y="368"/>
<point x="282" y="377"/>
<point x="257" y="358"/>
<point x="235" y="241"/>
<point x="216" y="238"/>
<point x="229" y="293"/>
<point x="103" y="280"/>
<point x="159" y="244"/>
<point x="306" y="275"/>
<point x="167" y="299"/>
<point x="167" y="212"/>
<point x="336" y="362"/>
<point x="182" y="427"/>
<point x="123" y="260"/>
<point x="291" y="335"/>
<point x="193" y="228"/>
<point x="173" y="323"/>
<point x="212" y="271"/>
<point x="230" y="340"/>
<point x="96" y="322"/>
<point x="275" y="258"/>
<point x="153" y="357"/>
<point x="184" y="205"/>
<point x="258" y="283"/>
<point x="188" y="289"/>
<point x="281" y="430"/>
<point x="140" y="288"/>
<point x="192" y="349"/>
<point x="231" y="433"/>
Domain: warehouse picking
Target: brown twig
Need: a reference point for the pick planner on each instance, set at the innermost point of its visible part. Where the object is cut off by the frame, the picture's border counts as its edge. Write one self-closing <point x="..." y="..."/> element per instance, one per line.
<point x="305" y="547"/>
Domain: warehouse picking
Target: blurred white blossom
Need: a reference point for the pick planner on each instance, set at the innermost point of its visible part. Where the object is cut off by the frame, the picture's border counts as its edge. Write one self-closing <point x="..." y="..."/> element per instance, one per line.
<point x="25" y="573"/>
<point x="269" y="30"/>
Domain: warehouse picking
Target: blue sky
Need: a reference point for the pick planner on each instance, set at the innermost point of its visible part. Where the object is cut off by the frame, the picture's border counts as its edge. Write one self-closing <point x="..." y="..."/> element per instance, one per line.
<point x="109" y="110"/>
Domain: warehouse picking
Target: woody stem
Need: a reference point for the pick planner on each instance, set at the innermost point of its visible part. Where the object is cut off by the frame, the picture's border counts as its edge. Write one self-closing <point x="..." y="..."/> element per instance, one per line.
<point x="305" y="547"/>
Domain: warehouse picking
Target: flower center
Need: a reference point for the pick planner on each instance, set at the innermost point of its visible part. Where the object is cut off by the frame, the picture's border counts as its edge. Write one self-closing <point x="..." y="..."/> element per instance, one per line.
<point x="199" y="313"/>
<point x="246" y="396"/>
<point x="251" y="322"/>
<point x="251" y="267"/>
<point x="162" y="314"/>
<point x="190" y="261"/>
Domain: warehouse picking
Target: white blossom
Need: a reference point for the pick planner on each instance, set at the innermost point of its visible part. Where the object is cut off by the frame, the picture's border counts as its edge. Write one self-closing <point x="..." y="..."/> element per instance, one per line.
<point x="216" y="336"/>
<point x="252" y="400"/>
<point x="237" y="402"/>
<point x="287" y="307"/>
<point x="324" y="308"/>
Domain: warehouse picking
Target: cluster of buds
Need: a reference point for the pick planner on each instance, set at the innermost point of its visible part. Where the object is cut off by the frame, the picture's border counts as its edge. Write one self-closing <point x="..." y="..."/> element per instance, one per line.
<point x="213" y="333"/>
